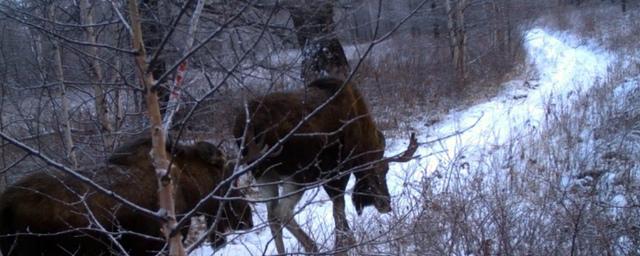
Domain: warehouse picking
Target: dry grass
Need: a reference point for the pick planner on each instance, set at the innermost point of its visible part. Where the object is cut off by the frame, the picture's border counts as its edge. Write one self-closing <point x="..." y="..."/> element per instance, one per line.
<point x="555" y="191"/>
<point x="568" y="188"/>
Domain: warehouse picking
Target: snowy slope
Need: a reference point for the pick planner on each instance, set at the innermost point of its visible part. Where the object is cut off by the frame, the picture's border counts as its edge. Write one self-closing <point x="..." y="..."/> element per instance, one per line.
<point x="564" y="70"/>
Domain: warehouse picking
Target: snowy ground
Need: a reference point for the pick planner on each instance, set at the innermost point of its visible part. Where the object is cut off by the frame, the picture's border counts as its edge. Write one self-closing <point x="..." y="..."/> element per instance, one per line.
<point x="564" y="69"/>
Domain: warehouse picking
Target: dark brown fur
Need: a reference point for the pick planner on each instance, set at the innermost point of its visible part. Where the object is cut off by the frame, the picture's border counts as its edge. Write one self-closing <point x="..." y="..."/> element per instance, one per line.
<point x="346" y="137"/>
<point x="49" y="202"/>
<point x="338" y="140"/>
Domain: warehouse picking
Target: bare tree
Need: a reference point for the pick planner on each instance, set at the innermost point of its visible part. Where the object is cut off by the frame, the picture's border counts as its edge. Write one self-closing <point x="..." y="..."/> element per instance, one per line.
<point x="64" y="111"/>
<point x="457" y="36"/>
<point x="159" y="155"/>
<point x="86" y="16"/>
<point x="322" y="51"/>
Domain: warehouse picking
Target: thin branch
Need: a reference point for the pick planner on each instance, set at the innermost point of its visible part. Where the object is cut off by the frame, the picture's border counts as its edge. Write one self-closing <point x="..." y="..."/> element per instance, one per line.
<point x="156" y="54"/>
<point x="66" y="39"/>
<point x="200" y="45"/>
<point x="173" y="106"/>
<point x="233" y="177"/>
<point x="122" y="19"/>
<point x="80" y="177"/>
<point x="103" y="230"/>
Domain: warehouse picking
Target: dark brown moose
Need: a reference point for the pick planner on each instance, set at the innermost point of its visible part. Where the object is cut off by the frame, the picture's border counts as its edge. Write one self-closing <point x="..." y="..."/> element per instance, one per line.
<point x="326" y="133"/>
<point x="50" y="213"/>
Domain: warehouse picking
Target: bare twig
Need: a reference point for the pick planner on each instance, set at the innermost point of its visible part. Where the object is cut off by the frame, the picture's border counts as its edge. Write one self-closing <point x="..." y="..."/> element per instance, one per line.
<point x="80" y="177"/>
<point x="173" y="106"/>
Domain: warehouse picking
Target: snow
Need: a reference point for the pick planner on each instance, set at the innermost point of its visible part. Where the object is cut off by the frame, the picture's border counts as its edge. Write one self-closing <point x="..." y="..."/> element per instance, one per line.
<point x="564" y="72"/>
<point x="565" y="68"/>
<point x="625" y="89"/>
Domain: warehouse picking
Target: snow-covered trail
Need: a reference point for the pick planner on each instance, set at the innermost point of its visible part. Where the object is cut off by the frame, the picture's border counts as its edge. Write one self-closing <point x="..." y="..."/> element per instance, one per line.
<point x="564" y="70"/>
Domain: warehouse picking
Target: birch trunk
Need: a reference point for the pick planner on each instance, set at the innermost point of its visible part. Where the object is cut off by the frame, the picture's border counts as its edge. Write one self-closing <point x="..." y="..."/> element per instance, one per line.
<point x="96" y="70"/>
<point x="64" y="113"/>
<point x="158" y="153"/>
<point x="120" y="99"/>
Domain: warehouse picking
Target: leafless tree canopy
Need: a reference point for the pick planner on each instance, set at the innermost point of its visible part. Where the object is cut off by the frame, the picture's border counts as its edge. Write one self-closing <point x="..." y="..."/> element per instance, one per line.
<point x="267" y="94"/>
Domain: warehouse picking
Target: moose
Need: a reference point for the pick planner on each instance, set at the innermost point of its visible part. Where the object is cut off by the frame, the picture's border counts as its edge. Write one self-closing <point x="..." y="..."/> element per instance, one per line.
<point x="322" y="135"/>
<point x="51" y="213"/>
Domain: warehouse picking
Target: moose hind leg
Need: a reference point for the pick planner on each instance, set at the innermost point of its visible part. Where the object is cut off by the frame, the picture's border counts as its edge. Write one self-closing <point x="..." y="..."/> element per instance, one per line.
<point x="291" y="196"/>
<point x="270" y="192"/>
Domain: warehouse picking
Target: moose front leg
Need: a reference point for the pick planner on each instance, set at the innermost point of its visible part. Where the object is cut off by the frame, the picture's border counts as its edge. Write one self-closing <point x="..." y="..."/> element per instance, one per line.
<point x="344" y="237"/>
<point x="216" y="234"/>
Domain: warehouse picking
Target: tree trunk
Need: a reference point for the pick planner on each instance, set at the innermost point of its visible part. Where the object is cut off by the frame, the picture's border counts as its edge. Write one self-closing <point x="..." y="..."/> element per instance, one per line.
<point x="96" y="71"/>
<point x="498" y="29"/>
<point x="158" y="153"/>
<point x="120" y="99"/>
<point x="64" y="113"/>
<point x="362" y="21"/>
<point x="3" y="151"/>
<point x="322" y="53"/>
<point x="435" y="27"/>
<point x="462" y="42"/>
<point x="457" y="38"/>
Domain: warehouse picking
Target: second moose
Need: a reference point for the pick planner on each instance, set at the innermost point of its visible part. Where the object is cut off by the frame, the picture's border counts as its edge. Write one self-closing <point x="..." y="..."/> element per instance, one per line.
<point x="52" y="213"/>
